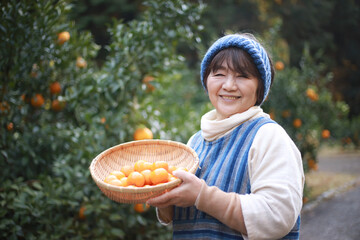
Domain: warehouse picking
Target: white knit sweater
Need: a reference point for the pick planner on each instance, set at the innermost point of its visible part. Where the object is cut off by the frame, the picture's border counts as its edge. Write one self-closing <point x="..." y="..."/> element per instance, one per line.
<point x="276" y="177"/>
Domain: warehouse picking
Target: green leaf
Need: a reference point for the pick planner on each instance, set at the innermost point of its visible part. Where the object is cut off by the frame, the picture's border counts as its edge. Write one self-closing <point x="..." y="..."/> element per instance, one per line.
<point x="117" y="232"/>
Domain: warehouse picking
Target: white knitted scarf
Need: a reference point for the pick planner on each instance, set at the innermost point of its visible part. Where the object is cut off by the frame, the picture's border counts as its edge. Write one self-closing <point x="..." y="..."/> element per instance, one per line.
<point x="213" y="127"/>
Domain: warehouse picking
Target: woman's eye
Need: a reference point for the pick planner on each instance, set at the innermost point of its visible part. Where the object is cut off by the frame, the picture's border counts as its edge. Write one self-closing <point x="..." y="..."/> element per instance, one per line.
<point x="218" y="75"/>
<point x="242" y="76"/>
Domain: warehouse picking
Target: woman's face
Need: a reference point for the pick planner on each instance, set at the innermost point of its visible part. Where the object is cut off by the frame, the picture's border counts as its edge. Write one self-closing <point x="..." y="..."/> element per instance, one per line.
<point x="231" y="92"/>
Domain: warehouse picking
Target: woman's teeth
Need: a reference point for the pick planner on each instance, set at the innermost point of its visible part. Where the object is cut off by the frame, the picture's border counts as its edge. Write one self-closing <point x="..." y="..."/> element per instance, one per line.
<point x="230" y="97"/>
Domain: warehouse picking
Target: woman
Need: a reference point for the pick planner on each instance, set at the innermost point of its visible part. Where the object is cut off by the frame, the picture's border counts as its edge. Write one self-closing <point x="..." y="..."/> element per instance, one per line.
<point x="250" y="181"/>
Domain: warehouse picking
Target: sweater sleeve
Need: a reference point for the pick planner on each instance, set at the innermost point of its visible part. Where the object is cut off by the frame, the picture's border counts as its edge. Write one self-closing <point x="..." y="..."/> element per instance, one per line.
<point x="224" y="206"/>
<point x="165" y="215"/>
<point x="277" y="179"/>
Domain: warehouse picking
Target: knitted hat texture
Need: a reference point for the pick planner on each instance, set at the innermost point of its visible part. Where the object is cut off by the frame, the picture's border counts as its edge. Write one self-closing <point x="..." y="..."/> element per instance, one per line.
<point x="252" y="47"/>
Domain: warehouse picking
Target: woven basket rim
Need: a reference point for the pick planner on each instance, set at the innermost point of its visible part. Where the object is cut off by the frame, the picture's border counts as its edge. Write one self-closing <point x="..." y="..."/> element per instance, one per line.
<point x="137" y="190"/>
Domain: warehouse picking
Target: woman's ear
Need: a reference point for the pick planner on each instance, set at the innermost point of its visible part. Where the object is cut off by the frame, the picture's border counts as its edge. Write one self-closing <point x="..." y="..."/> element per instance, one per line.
<point x="259" y="93"/>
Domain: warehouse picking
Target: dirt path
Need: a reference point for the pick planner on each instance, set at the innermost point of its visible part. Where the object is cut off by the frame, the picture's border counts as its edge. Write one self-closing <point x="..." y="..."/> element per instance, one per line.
<point x="336" y="218"/>
<point x="335" y="212"/>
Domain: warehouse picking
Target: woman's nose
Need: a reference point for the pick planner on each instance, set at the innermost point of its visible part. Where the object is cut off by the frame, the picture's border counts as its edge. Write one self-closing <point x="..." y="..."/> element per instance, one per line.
<point x="229" y="83"/>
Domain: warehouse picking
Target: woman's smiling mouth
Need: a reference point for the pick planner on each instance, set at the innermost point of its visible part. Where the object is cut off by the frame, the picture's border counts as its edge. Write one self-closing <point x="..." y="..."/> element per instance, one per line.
<point x="229" y="97"/>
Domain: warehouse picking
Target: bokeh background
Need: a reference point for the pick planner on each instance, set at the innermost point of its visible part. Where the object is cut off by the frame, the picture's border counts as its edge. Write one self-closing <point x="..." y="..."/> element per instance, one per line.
<point x="78" y="77"/>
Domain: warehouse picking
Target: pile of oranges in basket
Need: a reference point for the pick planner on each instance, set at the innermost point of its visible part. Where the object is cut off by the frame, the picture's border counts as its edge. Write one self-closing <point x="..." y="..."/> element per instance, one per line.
<point x="143" y="174"/>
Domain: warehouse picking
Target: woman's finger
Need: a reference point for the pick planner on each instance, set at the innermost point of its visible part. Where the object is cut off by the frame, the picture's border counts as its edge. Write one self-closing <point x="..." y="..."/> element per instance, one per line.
<point x="183" y="175"/>
<point x="183" y="195"/>
<point x="162" y="199"/>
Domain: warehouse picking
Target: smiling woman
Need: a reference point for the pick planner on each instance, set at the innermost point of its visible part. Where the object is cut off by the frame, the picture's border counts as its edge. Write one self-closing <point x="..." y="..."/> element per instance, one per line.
<point x="231" y="89"/>
<point x="250" y="181"/>
<point x="238" y="61"/>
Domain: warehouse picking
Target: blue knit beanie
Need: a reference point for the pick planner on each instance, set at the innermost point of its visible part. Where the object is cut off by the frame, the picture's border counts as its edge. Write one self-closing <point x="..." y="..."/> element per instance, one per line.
<point x="252" y="47"/>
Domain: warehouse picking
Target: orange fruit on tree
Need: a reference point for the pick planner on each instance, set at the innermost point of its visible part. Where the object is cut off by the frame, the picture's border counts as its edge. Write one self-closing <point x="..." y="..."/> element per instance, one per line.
<point x="159" y="175"/>
<point x="272" y="115"/>
<point x="57" y="105"/>
<point x="63" y="37"/>
<point x="150" y="88"/>
<point x="80" y="62"/>
<point x="10" y="126"/>
<point x="23" y="97"/>
<point x="81" y="213"/>
<point x="160" y="164"/>
<point x="146" y="173"/>
<point x="141" y="165"/>
<point x="136" y="179"/>
<point x="148" y="79"/>
<point x="312" y="164"/>
<point x="118" y="174"/>
<point x="346" y="140"/>
<point x="286" y="113"/>
<point x="55" y="88"/>
<point x="127" y="169"/>
<point x="297" y="123"/>
<point x="325" y="134"/>
<point x="37" y="100"/>
<point x="141" y="207"/>
<point x="279" y="65"/>
<point x="143" y="133"/>
<point x="311" y="94"/>
<point x="4" y="107"/>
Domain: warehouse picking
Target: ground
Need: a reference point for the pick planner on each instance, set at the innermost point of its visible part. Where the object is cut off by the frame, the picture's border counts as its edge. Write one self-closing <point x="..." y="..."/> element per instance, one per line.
<point x="333" y="211"/>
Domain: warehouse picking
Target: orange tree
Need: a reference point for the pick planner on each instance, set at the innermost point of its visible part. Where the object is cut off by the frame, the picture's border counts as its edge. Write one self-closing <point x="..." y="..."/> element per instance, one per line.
<point x="58" y="111"/>
<point x="38" y="67"/>
<point x="301" y="102"/>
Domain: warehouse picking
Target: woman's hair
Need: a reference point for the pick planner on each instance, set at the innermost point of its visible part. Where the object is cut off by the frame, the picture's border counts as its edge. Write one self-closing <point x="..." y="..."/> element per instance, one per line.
<point x="238" y="60"/>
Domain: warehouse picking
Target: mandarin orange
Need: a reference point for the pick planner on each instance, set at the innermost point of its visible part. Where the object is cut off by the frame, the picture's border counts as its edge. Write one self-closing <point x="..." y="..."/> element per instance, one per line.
<point x="124" y="182"/>
<point x="146" y="173"/>
<point x="109" y="178"/>
<point x="159" y="175"/>
<point x="141" y="207"/>
<point x="127" y="169"/>
<point x="136" y="178"/>
<point x="116" y="182"/>
<point x="142" y="165"/>
<point x="160" y="164"/>
<point x="118" y="174"/>
<point x="142" y="133"/>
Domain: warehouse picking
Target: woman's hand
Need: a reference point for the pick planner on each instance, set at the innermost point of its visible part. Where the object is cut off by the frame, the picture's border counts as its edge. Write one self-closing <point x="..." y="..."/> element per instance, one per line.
<point x="182" y="196"/>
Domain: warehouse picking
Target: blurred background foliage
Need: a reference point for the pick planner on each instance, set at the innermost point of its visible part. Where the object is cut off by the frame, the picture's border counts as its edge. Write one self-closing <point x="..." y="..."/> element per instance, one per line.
<point x="78" y="77"/>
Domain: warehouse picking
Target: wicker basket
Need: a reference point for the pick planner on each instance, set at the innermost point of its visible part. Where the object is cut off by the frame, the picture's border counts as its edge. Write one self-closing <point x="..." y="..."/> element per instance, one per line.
<point x="174" y="153"/>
